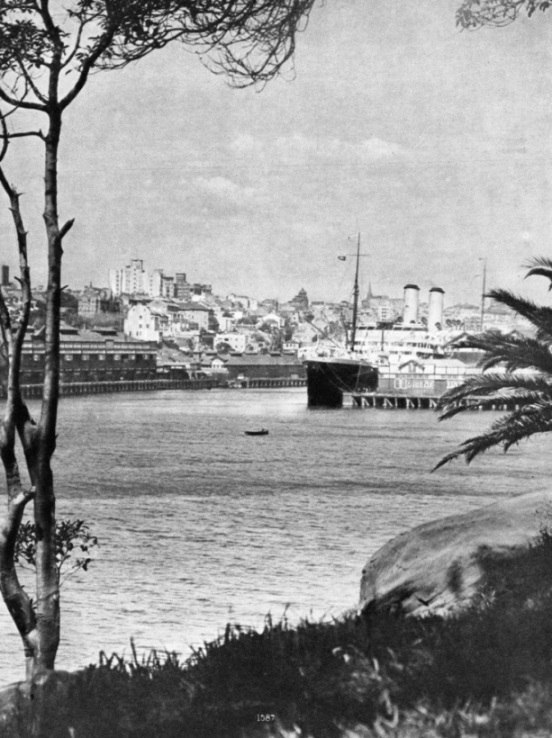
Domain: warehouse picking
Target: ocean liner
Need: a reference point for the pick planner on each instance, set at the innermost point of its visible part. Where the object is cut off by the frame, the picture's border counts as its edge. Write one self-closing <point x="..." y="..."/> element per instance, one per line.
<point x="340" y="369"/>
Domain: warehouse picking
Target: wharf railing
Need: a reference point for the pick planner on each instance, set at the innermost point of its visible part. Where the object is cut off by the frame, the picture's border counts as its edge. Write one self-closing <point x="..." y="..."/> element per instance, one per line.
<point x="389" y="401"/>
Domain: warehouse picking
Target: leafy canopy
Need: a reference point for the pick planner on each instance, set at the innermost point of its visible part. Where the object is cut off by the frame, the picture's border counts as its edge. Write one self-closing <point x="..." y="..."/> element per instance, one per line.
<point x="473" y="14"/>
<point x="248" y="40"/>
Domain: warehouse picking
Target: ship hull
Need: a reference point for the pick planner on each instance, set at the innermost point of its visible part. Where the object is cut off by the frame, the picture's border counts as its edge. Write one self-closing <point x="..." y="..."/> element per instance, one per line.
<point x="328" y="379"/>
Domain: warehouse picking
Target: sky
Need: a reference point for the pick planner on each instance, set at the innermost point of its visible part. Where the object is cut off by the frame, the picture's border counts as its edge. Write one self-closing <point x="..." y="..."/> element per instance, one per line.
<point x="434" y="144"/>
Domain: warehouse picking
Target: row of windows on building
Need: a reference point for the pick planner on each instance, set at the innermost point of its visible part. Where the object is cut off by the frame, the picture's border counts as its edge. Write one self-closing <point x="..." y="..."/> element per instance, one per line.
<point x="131" y="363"/>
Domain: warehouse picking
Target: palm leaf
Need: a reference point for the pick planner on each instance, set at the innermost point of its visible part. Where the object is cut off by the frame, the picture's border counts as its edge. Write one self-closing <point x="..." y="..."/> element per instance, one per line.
<point x="495" y="382"/>
<point x="485" y="390"/>
<point x="538" y="315"/>
<point x="540" y="266"/>
<point x="531" y="394"/>
<point x="508" y="430"/>
<point x="511" y="350"/>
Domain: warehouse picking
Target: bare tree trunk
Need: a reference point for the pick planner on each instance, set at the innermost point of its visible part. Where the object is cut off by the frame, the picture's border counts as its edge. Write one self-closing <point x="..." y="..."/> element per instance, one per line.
<point x="40" y="629"/>
<point x="47" y="578"/>
<point x="16" y="420"/>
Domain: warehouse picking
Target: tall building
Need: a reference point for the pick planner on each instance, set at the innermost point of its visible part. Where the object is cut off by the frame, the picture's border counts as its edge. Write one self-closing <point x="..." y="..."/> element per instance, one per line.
<point x="130" y="280"/>
<point x="181" y="286"/>
<point x="155" y="283"/>
<point x="5" y="275"/>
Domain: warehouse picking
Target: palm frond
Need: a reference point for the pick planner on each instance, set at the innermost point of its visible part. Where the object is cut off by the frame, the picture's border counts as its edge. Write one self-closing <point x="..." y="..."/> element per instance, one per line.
<point x="482" y="391"/>
<point x="505" y="432"/>
<point x="538" y="315"/>
<point x="540" y="266"/>
<point x="512" y="350"/>
<point x="499" y="384"/>
<point x="530" y="394"/>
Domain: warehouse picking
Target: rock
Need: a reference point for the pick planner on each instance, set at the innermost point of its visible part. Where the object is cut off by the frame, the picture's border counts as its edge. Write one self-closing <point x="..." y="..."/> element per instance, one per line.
<point x="21" y="703"/>
<point x="438" y="568"/>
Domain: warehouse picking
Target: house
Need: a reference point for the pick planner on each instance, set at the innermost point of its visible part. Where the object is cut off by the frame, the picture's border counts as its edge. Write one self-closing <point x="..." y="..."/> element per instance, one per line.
<point x="291" y="347"/>
<point x="236" y="340"/>
<point x="194" y="313"/>
<point x="146" y="323"/>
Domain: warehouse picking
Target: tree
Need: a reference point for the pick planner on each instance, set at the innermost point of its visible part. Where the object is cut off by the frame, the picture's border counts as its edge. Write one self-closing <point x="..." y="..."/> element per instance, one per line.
<point x="47" y="53"/>
<point x="474" y="14"/>
<point x="530" y="391"/>
<point x="223" y="347"/>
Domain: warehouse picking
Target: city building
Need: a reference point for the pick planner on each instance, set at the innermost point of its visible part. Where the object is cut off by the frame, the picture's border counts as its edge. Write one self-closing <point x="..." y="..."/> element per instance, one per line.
<point x="182" y="289"/>
<point x="146" y="323"/>
<point x="95" y="300"/>
<point x="131" y="279"/>
<point x="300" y="301"/>
<point x="237" y="341"/>
<point x="157" y="319"/>
<point x="98" y="355"/>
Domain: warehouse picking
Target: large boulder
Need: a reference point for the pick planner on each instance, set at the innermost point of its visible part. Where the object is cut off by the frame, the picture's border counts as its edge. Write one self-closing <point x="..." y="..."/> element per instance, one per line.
<point x="440" y="567"/>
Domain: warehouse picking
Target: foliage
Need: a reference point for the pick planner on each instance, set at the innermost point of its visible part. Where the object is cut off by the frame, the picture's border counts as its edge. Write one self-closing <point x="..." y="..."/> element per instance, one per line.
<point x="487" y="672"/>
<point x="249" y="42"/>
<point x="473" y="14"/>
<point x="528" y="392"/>
<point x="222" y="347"/>
<point x="73" y="539"/>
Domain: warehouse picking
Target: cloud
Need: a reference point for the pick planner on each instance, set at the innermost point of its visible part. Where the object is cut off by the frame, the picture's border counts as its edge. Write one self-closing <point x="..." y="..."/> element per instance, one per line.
<point x="221" y="195"/>
<point x="298" y="151"/>
<point x="375" y="149"/>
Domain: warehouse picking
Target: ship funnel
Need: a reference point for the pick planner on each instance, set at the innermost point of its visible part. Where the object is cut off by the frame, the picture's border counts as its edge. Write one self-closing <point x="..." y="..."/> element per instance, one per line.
<point x="435" y="311"/>
<point x="411" y="298"/>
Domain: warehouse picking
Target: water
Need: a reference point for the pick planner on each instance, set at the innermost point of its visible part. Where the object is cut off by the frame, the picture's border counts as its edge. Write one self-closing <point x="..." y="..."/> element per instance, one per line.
<point x="200" y="525"/>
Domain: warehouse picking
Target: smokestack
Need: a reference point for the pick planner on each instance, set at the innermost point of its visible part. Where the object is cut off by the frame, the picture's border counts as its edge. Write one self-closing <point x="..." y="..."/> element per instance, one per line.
<point x="411" y="298"/>
<point x="435" y="312"/>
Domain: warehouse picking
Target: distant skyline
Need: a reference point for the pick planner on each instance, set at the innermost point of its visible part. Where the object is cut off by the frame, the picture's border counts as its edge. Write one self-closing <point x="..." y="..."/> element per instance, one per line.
<point x="433" y="143"/>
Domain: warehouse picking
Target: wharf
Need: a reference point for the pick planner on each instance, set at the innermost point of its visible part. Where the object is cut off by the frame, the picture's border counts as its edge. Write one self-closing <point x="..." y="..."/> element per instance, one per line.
<point x="389" y="401"/>
<point x="267" y="382"/>
<point x="153" y="385"/>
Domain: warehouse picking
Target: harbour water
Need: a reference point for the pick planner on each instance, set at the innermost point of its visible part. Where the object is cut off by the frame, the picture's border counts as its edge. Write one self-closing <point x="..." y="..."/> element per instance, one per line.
<point x="200" y="525"/>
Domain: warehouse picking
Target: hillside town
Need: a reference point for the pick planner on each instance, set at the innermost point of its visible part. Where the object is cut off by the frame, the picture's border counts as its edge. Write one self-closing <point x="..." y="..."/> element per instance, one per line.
<point x="149" y="324"/>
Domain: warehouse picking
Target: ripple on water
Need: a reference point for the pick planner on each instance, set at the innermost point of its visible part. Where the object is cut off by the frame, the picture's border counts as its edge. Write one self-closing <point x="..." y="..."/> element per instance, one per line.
<point x="200" y="525"/>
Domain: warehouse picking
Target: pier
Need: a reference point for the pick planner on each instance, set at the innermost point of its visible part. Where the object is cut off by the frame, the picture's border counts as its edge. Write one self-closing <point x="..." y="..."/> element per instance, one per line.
<point x="266" y="383"/>
<point x="155" y="385"/>
<point x="388" y="401"/>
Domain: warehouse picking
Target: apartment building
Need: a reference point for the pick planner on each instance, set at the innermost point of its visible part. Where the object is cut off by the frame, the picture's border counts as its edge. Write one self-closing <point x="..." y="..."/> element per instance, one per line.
<point x="131" y="279"/>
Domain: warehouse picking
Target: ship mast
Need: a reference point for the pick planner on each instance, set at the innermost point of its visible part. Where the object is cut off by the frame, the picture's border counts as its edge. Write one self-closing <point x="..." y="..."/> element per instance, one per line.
<point x="355" y="297"/>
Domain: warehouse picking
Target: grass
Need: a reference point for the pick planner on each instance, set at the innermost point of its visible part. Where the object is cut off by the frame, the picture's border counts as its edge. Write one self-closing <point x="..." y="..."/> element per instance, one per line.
<point x="485" y="673"/>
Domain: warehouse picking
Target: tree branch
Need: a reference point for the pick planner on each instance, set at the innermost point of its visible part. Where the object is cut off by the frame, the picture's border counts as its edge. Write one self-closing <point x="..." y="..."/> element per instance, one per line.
<point x="102" y="45"/>
<point x="24" y="104"/>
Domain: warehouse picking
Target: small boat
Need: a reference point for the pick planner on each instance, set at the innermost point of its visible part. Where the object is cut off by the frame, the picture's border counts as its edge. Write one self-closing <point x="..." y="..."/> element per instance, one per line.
<point x="262" y="432"/>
